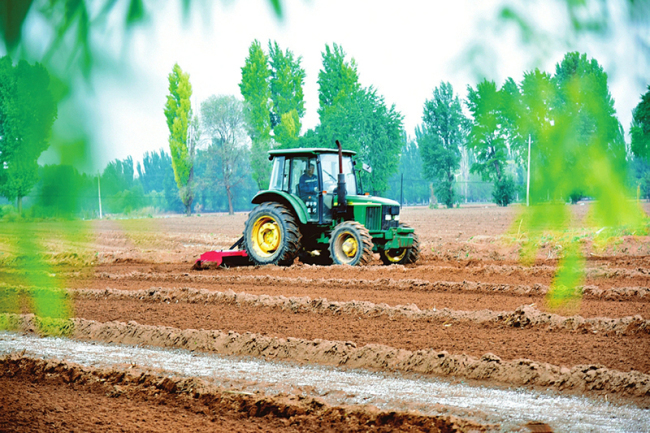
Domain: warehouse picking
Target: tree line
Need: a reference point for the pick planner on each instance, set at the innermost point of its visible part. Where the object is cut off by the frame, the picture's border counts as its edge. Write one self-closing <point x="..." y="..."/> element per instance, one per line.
<point x="217" y="156"/>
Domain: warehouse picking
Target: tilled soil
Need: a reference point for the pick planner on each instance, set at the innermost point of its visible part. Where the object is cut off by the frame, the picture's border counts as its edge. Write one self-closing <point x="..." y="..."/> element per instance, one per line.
<point x="468" y="266"/>
<point x="59" y="396"/>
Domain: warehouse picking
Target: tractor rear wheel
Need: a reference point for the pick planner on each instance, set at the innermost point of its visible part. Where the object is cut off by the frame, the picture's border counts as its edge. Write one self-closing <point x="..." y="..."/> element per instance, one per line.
<point x="271" y="235"/>
<point x="402" y="256"/>
<point x="351" y="244"/>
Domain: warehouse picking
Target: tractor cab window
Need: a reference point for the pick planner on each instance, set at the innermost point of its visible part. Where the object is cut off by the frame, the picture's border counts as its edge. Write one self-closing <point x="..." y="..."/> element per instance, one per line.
<point x="280" y="175"/>
<point x="304" y="183"/>
<point x="330" y="166"/>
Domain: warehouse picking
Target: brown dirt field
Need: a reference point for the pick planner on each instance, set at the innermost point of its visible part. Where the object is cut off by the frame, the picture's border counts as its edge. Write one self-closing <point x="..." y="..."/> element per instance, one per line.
<point x="63" y="397"/>
<point x="469" y="263"/>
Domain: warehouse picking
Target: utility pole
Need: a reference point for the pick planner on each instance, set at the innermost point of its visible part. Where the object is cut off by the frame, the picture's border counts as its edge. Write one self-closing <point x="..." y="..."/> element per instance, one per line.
<point x="99" y="195"/>
<point x="528" y="176"/>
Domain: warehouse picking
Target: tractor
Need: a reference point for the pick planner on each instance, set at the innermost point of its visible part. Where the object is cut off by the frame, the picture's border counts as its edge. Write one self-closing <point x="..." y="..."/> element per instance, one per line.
<point x="315" y="209"/>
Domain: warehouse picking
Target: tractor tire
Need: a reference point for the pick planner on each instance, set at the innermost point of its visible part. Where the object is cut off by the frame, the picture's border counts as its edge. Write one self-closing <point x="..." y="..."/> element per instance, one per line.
<point x="402" y="256"/>
<point x="317" y="257"/>
<point x="271" y="235"/>
<point x="351" y="244"/>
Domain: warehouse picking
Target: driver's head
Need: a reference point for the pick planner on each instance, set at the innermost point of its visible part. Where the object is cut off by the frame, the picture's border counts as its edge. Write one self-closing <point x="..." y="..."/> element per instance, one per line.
<point x="310" y="170"/>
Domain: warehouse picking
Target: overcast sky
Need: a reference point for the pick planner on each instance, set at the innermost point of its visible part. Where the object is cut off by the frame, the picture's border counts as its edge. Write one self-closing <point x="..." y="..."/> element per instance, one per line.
<point x="403" y="49"/>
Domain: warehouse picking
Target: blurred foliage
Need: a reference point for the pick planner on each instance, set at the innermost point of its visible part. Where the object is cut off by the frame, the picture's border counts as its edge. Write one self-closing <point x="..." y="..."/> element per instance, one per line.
<point x="75" y="25"/>
<point x="27" y="112"/>
<point x="74" y="41"/>
<point x="571" y="21"/>
<point x="50" y="300"/>
<point x="577" y="149"/>
<point x="440" y="139"/>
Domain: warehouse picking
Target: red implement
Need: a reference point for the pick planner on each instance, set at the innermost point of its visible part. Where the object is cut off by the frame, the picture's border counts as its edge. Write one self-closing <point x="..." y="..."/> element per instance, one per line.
<point x="229" y="257"/>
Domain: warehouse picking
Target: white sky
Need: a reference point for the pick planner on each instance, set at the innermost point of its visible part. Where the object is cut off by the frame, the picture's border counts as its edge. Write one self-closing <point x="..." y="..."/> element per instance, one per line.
<point x="403" y="49"/>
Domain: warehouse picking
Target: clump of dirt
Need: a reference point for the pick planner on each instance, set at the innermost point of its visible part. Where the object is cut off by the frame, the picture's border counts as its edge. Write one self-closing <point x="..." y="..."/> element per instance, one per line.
<point x="200" y="400"/>
<point x="584" y="378"/>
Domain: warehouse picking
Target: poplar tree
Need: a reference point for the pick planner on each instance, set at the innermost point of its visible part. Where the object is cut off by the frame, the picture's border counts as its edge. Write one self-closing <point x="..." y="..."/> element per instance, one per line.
<point x="256" y="92"/>
<point x="183" y="133"/>
<point x="439" y="139"/>
<point x="288" y="105"/>
<point x="358" y="117"/>
<point x="488" y="139"/>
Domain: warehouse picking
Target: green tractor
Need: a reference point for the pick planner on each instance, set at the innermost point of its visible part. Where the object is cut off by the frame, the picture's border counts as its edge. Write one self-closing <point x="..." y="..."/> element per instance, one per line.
<point x="314" y="209"/>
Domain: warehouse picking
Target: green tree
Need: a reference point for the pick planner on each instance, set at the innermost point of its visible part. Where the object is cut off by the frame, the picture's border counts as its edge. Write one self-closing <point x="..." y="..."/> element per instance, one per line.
<point x="224" y="124"/>
<point x="183" y="130"/>
<point x="256" y="92"/>
<point x="640" y="127"/>
<point x="439" y="139"/>
<point x="586" y="129"/>
<point x="154" y="168"/>
<point x="64" y="192"/>
<point x="363" y="123"/>
<point x="414" y="189"/>
<point x="27" y="113"/>
<point x="286" y="81"/>
<point x="488" y="139"/>
<point x="640" y="146"/>
<point x="358" y="117"/>
<point x="338" y="80"/>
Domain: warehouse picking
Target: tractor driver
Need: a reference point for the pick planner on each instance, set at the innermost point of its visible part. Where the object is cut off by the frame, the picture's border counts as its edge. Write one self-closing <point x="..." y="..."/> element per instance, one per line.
<point x="308" y="185"/>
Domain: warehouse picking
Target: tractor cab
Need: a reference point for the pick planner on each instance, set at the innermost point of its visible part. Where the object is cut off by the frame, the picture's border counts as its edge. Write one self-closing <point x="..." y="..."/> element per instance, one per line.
<point x="310" y="175"/>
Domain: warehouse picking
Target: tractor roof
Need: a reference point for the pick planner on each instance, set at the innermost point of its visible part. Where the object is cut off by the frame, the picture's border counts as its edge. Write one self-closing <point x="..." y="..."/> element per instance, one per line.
<point x="307" y="151"/>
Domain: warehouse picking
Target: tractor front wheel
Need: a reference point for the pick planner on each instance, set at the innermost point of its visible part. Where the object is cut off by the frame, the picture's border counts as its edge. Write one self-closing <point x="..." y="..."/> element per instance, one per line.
<point x="402" y="256"/>
<point x="351" y="244"/>
<point x="271" y="236"/>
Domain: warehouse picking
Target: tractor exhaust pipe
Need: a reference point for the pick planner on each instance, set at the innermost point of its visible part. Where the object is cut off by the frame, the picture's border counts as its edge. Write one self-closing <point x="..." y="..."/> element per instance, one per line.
<point x="341" y="181"/>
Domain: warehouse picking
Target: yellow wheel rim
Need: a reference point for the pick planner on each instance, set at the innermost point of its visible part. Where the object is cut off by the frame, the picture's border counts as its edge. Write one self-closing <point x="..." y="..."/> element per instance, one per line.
<point x="347" y="247"/>
<point x="350" y="247"/>
<point x="395" y="255"/>
<point x="266" y="236"/>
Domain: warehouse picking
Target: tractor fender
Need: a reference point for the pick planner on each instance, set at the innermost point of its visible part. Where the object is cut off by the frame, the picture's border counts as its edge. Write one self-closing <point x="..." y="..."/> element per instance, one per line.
<point x="286" y="199"/>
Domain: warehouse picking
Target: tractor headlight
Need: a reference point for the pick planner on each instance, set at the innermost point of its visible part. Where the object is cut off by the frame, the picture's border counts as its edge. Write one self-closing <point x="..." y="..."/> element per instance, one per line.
<point x="396" y="217"/>
<point x="387" y="217"/>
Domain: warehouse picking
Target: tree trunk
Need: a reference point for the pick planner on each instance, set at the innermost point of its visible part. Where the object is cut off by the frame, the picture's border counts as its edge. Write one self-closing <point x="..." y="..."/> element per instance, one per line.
<point x="190" y="196"/>
<point x="229" y="194"/>
<point x="450" y="177"/>
<point x="19" y="205"/>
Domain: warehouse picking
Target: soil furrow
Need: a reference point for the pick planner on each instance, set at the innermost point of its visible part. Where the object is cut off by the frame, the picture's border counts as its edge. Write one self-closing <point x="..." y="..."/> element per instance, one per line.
<point x="613" y="351"/>
<point x="587" y="377"/>
<point x="622" y="302"/>
<point x="524" y="316"/>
